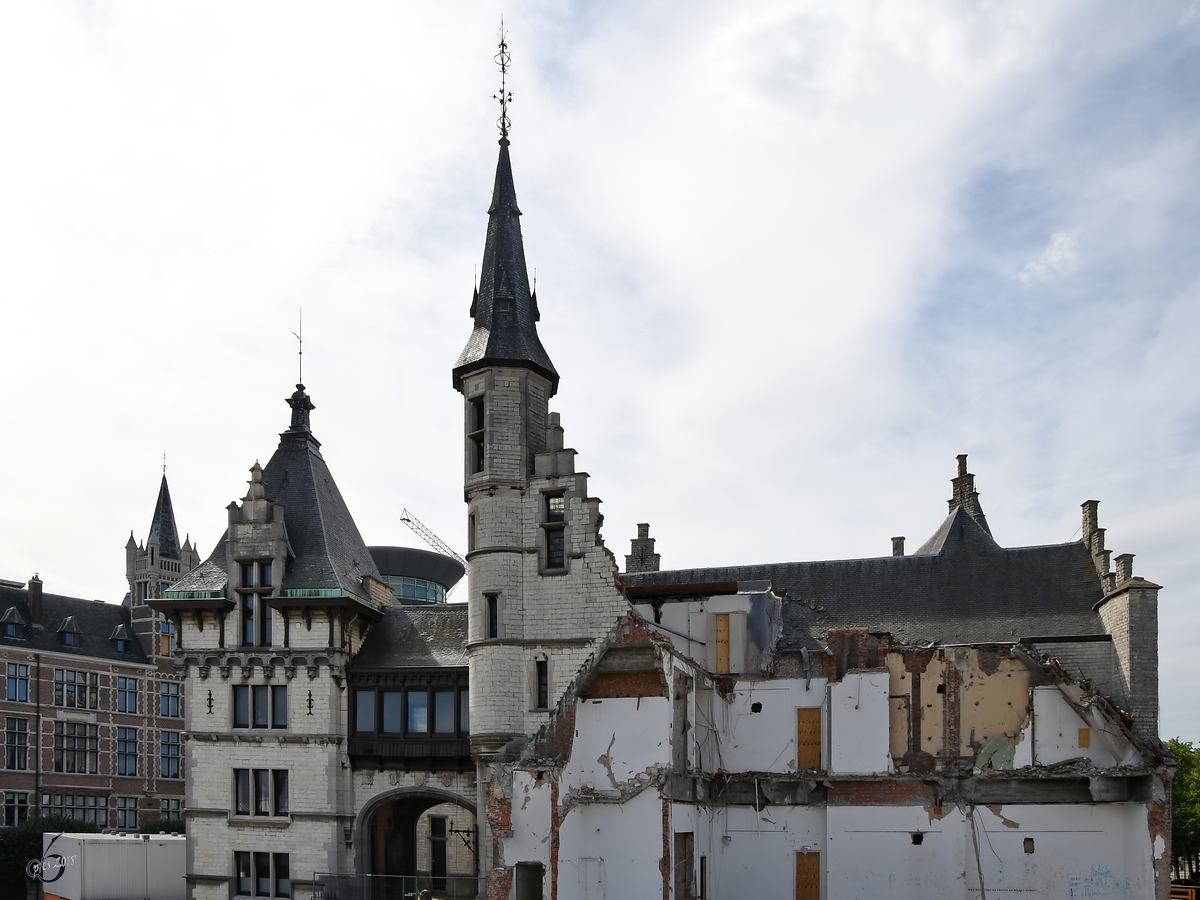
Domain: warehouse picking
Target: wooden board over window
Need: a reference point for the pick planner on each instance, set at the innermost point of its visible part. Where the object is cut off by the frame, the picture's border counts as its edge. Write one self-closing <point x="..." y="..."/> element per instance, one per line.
<point x="808" y="738"/>
<point x="722" y="638"/>
<point x="808" y="876"/>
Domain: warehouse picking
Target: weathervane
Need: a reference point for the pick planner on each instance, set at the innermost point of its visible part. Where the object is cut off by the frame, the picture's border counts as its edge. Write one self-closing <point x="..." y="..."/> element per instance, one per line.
<point x="299" y="336"/>
<point x="503" y="58"/>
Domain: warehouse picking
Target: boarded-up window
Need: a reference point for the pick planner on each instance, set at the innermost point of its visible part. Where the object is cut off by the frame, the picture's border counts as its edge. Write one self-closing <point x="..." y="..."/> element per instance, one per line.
<point x="808" y="876"/>
<point x="808" y="738"/>
<point x="727" y="649"/>
<point x="1085" y="737"/>
<point x="722" y="641"/>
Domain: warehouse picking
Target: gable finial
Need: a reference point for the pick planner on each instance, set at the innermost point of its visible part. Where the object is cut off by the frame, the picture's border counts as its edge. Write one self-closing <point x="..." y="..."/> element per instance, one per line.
<point x="299" y="336"/>
<point x="164" y="464"/>
<point x="503" y="58"/>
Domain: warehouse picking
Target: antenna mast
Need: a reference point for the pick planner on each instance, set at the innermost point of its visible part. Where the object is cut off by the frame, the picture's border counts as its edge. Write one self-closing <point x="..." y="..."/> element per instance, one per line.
<point x="299" y="335"/>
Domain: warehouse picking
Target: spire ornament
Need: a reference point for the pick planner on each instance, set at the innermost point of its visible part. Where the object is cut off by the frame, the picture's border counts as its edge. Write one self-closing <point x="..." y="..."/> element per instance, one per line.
<point x="503" y="59"/>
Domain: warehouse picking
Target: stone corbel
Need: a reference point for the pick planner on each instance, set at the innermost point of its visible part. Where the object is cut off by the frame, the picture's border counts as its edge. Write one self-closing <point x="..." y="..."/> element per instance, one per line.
<point x="203" y="672"/>
<point x="289" y="672"/>
<point x="312" y="671"/>
<point x="268" y="672"/>
<point x="226" y="671"/>
<point x="247" y="672"/>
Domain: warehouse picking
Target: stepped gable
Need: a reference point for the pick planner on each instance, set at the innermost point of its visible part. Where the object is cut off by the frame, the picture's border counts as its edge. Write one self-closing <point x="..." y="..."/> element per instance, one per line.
<point x="416" y="636"/>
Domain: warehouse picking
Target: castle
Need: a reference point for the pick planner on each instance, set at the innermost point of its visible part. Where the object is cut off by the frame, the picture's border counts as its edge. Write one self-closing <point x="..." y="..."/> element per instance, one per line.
<point x="961" y="720"/>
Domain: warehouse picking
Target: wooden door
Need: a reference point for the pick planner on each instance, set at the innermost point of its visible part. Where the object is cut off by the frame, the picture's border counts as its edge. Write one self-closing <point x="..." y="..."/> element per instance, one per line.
<point x="808" y="876"/>
<point x="808" y="738"/>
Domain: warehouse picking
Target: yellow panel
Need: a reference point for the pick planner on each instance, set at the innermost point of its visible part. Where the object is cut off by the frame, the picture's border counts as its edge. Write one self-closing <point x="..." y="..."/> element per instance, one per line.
<point x="722" y="643"/>
<point x="1085" y="737"/>
<point x="808" y="876"/>
<point x="808" y="738"/>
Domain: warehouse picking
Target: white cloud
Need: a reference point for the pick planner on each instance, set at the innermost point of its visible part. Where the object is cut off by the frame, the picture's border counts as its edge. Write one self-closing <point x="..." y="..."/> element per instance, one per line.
<point x="1059" y="257"/>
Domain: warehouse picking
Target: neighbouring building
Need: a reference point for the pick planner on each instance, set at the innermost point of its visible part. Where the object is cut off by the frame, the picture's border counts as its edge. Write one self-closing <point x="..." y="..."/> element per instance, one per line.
<point x="93" y="705"/>
<point x="962" y="721"/>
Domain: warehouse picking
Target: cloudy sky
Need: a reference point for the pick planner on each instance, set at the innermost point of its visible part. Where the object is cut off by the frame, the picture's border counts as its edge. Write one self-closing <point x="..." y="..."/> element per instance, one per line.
<point x="792" y="258"/>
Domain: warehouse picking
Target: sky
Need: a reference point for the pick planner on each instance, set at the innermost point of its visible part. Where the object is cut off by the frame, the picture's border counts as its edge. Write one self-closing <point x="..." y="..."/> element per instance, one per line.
<point x="792" y="258"/>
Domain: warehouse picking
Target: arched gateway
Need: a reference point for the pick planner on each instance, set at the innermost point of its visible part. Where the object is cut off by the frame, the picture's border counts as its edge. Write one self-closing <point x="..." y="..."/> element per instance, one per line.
<point x="417" y="837"/>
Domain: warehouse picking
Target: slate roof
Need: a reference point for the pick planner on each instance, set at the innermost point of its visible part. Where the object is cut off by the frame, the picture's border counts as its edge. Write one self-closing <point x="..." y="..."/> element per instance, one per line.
<point x="162" y="528"/>
<point x="416" y="636"/>
<point x="504" y="309"/>
<point x="965" y="593"/>
<point x="327" y="551"/>
<point x="95" y="620"/>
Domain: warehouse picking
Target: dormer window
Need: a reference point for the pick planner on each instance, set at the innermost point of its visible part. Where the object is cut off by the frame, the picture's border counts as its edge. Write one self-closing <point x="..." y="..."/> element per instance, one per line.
<point x="120" y="639"/>
<point x="12" y="625"/>
<point x="71" y="633"/>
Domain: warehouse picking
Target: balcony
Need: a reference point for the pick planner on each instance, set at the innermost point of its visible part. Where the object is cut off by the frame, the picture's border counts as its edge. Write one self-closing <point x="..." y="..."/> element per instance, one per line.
<point x="412" y="754"/>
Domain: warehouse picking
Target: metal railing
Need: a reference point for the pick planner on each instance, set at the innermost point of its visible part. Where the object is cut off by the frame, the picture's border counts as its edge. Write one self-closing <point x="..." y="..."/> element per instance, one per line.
<point x="337" y="886"/>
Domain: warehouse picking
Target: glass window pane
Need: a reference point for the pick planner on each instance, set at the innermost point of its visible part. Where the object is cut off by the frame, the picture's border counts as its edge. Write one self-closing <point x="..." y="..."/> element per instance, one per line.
<point x="283" y="883"/>
<point x="241" y="780"/>
<point x="260" y="705"/>
<point x="241" y="706"/>
<point x="418" y="711"/>
<point x="464" y="712"/>
<point x="262" y="874"/>
<point x="279" y="706"/>
<point x="391" y="712"/>
<point x="443" y="712"/>
<point x="244" y="878"/>
<point x="281" y="791"/>
<point x="262" y="792"/>
<point x="364" y="711"/>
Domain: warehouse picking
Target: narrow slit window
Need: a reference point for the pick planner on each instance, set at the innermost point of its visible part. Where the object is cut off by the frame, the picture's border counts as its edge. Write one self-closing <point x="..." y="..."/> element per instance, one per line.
<point x="492" y="611"/>
<point x="542" y="667"/>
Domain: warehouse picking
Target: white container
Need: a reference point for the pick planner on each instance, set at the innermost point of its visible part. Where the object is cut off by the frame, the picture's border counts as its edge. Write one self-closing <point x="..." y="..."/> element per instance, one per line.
<point x="111" y="867"/>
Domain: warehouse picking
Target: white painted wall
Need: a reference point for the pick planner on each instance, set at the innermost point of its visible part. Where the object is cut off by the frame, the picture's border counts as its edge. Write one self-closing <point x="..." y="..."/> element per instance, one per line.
<point x="858" y="724"/>
<point x="1078" y="851"/>
<point x="530" y="841"/>
<point x="618" y="741"/>
<point x="759" y="858"/>
<point x="1056" y="727"/>
<point x="764" y="741"/>
<point x="615" y="847"/>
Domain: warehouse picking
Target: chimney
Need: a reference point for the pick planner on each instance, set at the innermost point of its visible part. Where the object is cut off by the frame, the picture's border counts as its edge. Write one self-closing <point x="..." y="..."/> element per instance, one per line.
<point x="642" y="557"/>
<point x="1124" y="568"/>
<point x="898" y="546"/>
<point x="35" y="600"/>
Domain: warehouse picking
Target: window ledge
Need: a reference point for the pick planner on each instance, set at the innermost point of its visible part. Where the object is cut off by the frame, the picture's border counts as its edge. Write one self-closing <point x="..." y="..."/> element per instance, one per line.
<point x="262" y="821"/>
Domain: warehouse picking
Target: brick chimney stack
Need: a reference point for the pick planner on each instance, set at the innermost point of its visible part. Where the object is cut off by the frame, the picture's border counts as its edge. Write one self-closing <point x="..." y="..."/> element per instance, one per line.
<point x="35" y="600"/>
<point x="898" y="546"/>
<point x="642" y="557"/>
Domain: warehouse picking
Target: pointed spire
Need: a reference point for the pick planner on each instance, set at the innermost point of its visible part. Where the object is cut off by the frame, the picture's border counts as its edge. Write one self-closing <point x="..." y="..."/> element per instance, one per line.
<point x="131" y="544"/>
<point x="162" y="529"/>
<point x="503" y="306"/>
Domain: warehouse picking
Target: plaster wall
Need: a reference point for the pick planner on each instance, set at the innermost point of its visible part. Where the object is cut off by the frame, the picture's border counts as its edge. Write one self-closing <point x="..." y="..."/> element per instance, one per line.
<point x="1093" y="850"/>
<point x="609" y="850"/>
<point x="858" y="725"/>
<point x="763" y="741"/>
<point x="620" y="742"/>
<point x="1056" y="733"/>
<point x="759" y="858"/>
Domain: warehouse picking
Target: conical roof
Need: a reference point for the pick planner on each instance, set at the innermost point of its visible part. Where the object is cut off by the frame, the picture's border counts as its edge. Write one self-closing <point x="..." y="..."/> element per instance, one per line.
<point x="327" y="550"/>
<point x="504" y="308"/>
<point x="162" y="528"/>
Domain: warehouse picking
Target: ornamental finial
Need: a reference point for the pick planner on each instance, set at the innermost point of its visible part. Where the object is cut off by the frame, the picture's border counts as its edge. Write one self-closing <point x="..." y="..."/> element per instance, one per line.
<point x="503" y="58"/>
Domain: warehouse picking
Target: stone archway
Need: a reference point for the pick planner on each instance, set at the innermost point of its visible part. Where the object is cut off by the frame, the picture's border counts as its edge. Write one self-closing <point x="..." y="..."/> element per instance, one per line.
<point x="395" y="835"/>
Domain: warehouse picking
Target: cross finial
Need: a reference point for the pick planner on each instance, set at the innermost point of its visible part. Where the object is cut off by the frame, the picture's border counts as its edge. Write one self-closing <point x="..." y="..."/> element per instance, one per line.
<point x="299" y="335"/>
<point x="164" y="464"/>
<point x="505" y="96"/>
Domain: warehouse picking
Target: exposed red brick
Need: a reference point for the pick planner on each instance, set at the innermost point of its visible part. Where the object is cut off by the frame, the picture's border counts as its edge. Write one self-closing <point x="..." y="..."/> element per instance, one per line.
<point x="628" y="684"/>
<point x="555" y="821"/>
<point x="952" y="712"/>
<point x="635" y="631"/>
<point x="499" y="810"/>
<point x="917" y="660"/>
<point x="990" y="659"/>
<point x="499" y="884"/>
<point x="664" y="864"/>
<point x="880" y="793"/>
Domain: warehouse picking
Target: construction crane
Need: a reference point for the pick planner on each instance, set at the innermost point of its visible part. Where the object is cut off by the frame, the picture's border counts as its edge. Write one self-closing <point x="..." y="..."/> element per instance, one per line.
<point x="429" y="537"/>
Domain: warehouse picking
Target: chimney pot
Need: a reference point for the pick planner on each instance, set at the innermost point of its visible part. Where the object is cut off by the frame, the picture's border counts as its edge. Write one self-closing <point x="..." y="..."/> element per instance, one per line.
<point x="962" y="464"/>
<point x="643" y="529"/>
<point x="898" y="546"/>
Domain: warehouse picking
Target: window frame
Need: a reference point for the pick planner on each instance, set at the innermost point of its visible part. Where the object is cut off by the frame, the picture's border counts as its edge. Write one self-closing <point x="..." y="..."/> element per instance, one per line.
<point x="170" y="699"/>
<point x="16" y="744"/>
<point x="272" y="711"/>
<point x="127" y="752"/>
<point x="170" y="764"/>
<point x="127" y="695"/>
<point x="261" y="789"/>
<point x="16" y="686"/>
<point x="65" y="756"/>
<point x="256" y="866"/>
<point x="68" y="683"/>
